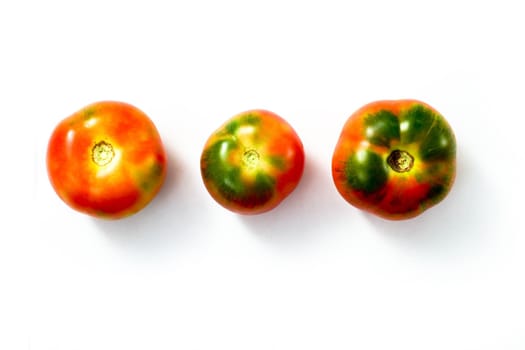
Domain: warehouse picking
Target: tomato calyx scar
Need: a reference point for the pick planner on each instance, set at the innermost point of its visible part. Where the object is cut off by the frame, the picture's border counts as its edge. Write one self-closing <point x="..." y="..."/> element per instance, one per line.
<point x="250" y="159"/>
<point x="400" y="161"/>
<point x="102" y="153"/>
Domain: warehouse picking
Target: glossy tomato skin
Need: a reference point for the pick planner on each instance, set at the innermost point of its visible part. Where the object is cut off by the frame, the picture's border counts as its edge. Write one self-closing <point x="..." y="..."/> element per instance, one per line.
<point x="252" y="162"/>
<point x="395" y="158"/>
<point x="106" y="160"/>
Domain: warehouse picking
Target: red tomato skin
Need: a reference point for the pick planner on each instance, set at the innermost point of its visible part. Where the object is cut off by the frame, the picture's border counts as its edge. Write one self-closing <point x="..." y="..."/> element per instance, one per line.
<point x="107" y="160"/>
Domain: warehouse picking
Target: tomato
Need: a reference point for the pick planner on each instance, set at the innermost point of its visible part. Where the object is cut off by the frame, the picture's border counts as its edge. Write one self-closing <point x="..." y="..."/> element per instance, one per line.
<point x="106" y="160"/>
<point x="252" y="162"/>
<point x="395" y="158"/>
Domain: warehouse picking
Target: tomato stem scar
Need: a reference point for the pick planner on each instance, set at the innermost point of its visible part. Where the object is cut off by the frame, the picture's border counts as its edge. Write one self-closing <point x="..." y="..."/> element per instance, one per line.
<point x="400" y="161"/>
<point x="102" y="153"/>
<point x="250" y="159"/>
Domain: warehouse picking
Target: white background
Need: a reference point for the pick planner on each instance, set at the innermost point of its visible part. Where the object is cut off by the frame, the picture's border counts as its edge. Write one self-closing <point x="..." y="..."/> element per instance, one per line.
<point x="315" y="273"/>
